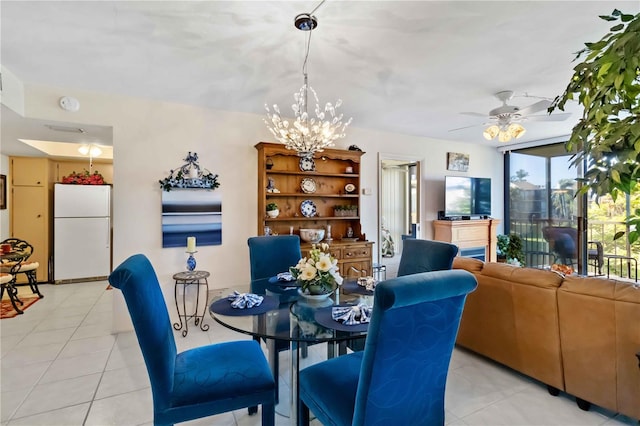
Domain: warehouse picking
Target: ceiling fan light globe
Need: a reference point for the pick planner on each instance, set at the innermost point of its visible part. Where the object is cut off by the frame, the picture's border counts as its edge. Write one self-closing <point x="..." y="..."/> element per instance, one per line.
<point x="516" y="130"/>
<point x="491" y="132"/>
<point x="504" y="137"/>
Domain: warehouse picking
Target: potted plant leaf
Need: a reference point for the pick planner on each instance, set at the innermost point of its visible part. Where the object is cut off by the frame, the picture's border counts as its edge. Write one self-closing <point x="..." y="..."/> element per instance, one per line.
<point x="272" y="210"/>
<point x="510" y="249"/>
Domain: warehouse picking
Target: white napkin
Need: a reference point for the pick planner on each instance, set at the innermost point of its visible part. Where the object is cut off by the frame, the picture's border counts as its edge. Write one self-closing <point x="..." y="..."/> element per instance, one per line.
<point x="352" y="315"/>
<point x="244" y="300"/>
<point x="285" y="276"/>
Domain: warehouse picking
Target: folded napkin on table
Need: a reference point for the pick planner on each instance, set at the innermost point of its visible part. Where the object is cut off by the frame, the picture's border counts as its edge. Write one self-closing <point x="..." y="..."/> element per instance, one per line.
<point x="367" y="282"/>
<point x="352" y="315"/>
<point x="244" y="300"/>
<point x="285" y="276"/>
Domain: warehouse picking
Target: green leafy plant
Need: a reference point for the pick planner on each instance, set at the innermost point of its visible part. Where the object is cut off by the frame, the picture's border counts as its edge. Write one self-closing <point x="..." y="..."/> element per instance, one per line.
<point x="607" y="85"/>
<point x="503" y="244"/>
<point x="510" y="246"/>
<point x="272" y="206"/>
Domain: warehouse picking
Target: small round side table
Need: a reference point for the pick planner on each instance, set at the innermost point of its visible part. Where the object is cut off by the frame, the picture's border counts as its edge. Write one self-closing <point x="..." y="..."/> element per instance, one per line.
<point x="185" y="279"/>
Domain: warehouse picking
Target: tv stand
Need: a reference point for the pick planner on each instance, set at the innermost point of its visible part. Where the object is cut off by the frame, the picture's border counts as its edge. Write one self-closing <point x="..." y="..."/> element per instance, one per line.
<point x="469" y="235"/>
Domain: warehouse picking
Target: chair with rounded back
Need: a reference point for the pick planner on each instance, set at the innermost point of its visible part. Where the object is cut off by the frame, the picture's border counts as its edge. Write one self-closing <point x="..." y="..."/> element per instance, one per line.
<point x="22" y="265"/>
<point x="268" y="256"/>
<point x="198" y="382"/>
<point x="425" y="256"/>
<point x="400" y="377"/>
<point x="6" y="281"/>
<point x="563" y="241"/>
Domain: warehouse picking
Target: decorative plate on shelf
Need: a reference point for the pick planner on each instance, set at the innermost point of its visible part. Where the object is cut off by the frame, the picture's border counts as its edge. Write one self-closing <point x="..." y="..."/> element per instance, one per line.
<point x="307" y="208"/>
<point x="349" y="188"/>
<point x="307" y="164"/>
<point x="308" y="185"/>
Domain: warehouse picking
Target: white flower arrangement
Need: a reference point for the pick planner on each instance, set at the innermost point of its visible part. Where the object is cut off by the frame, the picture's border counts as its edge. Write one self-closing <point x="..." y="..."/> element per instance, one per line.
<point x="317" y="274"/>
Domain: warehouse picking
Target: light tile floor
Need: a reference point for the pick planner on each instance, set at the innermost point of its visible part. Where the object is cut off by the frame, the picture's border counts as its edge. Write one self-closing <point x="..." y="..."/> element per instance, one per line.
<point x="61" y="365"/>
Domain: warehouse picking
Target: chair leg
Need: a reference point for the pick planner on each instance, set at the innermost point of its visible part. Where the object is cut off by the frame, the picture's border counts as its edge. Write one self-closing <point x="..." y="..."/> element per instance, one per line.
<point x="303" y="416"/>
<point x="253" y="409"/>
<point x="13" y="297"/>
<point x="268" y="415"/>
<point x="33" y="283"/>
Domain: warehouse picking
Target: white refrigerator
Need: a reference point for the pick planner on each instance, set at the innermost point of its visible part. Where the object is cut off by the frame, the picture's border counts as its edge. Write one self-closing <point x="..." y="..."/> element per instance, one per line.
<point x="81" y="231"/>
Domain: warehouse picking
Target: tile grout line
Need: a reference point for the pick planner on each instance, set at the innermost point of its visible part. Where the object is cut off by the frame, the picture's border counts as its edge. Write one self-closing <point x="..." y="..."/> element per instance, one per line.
<point x="12" y="416"/>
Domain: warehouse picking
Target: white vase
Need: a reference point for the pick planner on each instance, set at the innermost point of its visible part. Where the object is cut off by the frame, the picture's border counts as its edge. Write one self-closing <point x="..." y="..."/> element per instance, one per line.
<point x="314" y="297"/>
<point x="273" y="213"/>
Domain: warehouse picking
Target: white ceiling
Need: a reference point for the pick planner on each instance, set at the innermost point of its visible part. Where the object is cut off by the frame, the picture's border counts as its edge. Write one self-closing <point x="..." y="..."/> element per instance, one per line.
<point x="406" y="67"/>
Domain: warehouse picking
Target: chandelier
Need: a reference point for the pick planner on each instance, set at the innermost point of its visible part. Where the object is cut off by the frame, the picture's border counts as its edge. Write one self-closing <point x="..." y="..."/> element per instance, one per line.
<point x="307" y="134"/>
<point x="504" y="131"/>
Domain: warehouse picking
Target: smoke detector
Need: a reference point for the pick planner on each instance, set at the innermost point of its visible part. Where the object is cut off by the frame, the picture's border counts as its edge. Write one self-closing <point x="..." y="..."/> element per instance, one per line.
<point x="69" y="103"/>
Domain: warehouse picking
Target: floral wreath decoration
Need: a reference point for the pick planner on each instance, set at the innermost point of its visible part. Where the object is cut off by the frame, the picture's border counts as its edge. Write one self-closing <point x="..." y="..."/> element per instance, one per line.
<point x="190" y="175"/>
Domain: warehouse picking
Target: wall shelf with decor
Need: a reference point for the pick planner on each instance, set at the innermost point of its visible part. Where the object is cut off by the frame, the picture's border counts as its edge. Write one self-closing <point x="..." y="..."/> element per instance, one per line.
<point x="323" y="193"/>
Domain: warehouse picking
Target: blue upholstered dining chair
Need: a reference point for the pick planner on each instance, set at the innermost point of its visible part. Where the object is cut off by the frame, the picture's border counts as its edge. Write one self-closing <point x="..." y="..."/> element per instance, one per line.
<point x="198" y="382"/>
<point x="401" y="375"/>
<point x="268" y="256"/>
<point x="425" y="256"/>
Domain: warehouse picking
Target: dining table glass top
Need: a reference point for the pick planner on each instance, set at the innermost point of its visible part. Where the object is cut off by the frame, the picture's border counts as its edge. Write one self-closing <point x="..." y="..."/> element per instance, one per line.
<point x="289" y="316"/>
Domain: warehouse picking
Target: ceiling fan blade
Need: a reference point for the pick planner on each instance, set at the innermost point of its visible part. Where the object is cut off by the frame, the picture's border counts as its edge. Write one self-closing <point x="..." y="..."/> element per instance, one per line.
<point x="538" y="106"/>
<point x="553" y="117"/>
<point x="466" y="127"/>
<point x="475" y="114"/>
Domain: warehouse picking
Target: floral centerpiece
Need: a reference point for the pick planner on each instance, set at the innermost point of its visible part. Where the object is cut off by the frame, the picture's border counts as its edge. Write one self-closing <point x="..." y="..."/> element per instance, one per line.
<point x="317" y="274"/>
<point x="84" y="178"/>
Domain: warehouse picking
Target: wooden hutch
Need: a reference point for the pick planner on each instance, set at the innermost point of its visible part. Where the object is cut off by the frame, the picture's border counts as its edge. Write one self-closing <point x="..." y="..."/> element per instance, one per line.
<point x="322" y="193"/>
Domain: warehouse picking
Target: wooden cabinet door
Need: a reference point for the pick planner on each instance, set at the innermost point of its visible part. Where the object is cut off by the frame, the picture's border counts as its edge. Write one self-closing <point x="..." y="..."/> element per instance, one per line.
<point x="27" y="171"/>
<point x="29" y="222"/>
<point x="355" y="269"/>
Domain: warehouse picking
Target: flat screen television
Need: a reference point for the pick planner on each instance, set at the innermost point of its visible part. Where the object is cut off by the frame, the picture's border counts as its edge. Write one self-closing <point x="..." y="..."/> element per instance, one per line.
<point x="467" y="196"/>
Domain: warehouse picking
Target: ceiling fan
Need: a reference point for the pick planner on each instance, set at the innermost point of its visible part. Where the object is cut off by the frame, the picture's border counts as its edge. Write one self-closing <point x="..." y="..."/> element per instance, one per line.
<point x="504" y="121"/>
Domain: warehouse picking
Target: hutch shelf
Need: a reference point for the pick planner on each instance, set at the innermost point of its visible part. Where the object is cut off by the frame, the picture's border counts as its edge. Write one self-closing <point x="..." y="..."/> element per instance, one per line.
<point x="322" y="193"/>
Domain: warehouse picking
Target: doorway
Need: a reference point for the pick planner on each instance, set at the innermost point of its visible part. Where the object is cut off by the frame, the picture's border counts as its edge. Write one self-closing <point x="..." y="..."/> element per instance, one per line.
<point x="398" y="208"/>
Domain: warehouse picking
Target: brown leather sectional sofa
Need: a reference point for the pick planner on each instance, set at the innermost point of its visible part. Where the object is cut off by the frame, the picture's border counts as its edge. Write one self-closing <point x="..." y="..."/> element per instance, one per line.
<point x="575" y="334"/>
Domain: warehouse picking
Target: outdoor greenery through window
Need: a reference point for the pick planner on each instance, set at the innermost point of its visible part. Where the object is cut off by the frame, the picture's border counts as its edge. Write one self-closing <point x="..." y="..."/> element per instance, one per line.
<point x="543" y="210"/>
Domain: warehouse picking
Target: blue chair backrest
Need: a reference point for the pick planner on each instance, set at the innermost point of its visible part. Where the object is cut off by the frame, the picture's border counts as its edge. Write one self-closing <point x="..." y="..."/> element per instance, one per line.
<point x="426" y="256"/>
<point x="408" y="348"/>
<point x="270" y="255"/>
<point x="138" y="282"/>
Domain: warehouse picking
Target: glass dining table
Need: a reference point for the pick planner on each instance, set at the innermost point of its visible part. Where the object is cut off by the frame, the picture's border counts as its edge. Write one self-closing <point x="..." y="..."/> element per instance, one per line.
<point x="286" y="316"/>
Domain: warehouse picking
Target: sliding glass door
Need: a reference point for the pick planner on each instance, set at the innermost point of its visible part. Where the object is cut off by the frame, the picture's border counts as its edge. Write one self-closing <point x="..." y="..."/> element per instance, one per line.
<point x="541" y="206"/>
<point x="558" y="227"/>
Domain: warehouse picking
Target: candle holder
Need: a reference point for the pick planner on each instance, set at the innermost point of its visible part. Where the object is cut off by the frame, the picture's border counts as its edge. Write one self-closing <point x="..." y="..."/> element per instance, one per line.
<point x="191" y="261"/>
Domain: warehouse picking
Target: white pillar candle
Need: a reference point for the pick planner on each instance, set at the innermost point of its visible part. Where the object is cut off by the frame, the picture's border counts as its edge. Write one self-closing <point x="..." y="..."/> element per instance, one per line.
<point x="191" y="244"/>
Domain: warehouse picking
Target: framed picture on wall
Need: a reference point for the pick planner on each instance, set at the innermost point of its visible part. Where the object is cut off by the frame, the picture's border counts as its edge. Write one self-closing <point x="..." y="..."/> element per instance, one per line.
<point x="3" y="192"/>
<point x="457" y="162"/>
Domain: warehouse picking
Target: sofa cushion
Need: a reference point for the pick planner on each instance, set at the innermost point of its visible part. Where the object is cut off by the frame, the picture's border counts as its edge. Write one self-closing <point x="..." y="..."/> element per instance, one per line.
<point x="531" y="276"/>
<point x="468" y="264"/>
<point x="600" y="336"/>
